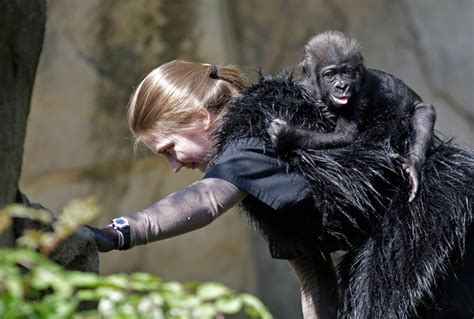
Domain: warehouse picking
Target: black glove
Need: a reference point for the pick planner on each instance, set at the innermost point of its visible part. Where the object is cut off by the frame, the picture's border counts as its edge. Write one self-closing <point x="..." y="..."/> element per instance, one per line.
<point x="105" y="238"/>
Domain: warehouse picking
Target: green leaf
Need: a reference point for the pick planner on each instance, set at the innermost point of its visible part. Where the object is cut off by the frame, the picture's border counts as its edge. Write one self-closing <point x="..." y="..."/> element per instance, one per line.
<point x="53" y="292"/>
<point x="14" y="286"/>
<point x="181" y="301"/>
<point x="34" y="238"/>
<point x="192" y="285"/>
<point x="87" y="314"/>
<point x="38" y="282"/>
<point x="212" y="290"/>
<point x="118" y="281"/>
<point x="76" y="213"/>
<point x="87" y="294"/>
<point x="144" y="277"/>
<point x="107" y="308"/>
<point x="110" y="293"/>
<point x="229" y="306"/>
<point x="173" y="287"/>
<point x="189" y="302"/>
<point x="27" y="257"/>
<point x="82" y="279"/>
<point x="5" y="222"/>
<point x="18" y="210"/>
<point x="59" y="304"/>
<point x="255" y="307"/>
<point x="176" y="313"/>
<point x="127" y="310"/>
<point x="204" y="311"/>
<point x="44" y="276"/>
<point x="144" y="282"/>
<point x="151" y="306"/>
<point x="110" y="298"/>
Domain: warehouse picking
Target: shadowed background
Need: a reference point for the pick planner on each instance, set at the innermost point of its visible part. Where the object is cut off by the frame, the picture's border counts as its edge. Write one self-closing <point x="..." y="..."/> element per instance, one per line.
<point x="95" y="52"/>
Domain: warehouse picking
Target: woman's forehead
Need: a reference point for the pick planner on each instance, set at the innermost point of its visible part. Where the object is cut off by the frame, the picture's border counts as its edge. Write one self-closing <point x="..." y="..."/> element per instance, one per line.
<point x="154" y="141"/>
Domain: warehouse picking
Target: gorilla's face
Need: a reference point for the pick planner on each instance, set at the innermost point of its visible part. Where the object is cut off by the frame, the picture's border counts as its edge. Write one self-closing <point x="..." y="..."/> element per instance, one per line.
<point x="339" y="83"/>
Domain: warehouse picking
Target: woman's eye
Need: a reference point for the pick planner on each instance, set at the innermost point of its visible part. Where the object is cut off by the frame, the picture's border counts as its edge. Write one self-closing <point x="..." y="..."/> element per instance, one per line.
<point x="166" y="152"/>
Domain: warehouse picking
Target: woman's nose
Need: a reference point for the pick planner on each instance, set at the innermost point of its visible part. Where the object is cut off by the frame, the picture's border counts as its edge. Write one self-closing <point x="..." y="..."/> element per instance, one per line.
<point x="175" y="164"/>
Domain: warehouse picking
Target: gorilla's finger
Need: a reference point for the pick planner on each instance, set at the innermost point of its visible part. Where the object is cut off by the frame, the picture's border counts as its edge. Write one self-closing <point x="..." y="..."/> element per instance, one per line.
<point x="279" y="122"/>
<point x="397" y="158"/>
<point x="414" y="188"/>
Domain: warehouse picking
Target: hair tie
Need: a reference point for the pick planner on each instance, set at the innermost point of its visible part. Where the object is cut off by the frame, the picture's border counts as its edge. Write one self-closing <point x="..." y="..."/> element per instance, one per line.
<point x="213" y="73"/>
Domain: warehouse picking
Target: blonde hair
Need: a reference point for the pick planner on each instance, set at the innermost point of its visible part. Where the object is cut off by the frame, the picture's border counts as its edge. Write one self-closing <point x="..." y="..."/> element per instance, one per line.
<point x="169" y="97"/>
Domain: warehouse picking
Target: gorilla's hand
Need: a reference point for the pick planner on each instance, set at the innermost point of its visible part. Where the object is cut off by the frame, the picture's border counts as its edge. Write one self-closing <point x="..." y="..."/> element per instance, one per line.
<point x="412" y="170"/>
<point x="105" y="238"/>
<point x="282" y="135"/>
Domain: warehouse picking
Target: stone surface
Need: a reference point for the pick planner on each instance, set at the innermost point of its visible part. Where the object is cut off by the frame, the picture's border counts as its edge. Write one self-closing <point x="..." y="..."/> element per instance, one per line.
<point x="22" y="28"/>
<point x="95" y="52"/>
<point x="424" y="43"/>
<point x="78" y="252"/>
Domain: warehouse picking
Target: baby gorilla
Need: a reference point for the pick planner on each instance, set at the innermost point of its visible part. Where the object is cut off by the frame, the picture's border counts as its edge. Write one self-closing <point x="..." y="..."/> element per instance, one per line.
<point x="336" y="75"/>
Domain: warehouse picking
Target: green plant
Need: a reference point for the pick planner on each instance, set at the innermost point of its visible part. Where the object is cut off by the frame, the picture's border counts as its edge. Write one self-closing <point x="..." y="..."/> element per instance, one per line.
<point x="34" y="286"/>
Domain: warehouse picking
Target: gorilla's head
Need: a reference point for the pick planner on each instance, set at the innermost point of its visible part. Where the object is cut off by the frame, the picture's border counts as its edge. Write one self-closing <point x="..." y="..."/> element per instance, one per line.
<point x="333" y="62"/>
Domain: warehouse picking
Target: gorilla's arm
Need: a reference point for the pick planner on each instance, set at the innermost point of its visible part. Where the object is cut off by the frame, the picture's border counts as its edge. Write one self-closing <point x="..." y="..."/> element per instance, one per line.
<point x="286" y="137"/>
<point x="422" y="121"/>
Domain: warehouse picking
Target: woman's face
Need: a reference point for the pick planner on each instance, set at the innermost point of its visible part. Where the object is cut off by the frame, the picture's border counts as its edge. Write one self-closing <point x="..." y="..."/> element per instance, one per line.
<point x="190" y="149"/>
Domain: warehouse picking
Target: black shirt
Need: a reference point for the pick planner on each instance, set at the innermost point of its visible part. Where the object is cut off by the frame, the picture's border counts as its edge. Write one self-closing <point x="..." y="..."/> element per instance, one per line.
<point x="257" y="170"/>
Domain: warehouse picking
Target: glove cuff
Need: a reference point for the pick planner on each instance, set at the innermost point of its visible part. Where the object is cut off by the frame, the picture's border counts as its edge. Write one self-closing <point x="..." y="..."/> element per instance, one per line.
<point x="122" y="227"/>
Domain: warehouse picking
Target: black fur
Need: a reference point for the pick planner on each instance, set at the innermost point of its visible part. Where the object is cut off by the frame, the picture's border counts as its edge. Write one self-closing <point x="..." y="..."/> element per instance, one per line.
<point x="335" y="73"/>
<point x="400" y="253"/>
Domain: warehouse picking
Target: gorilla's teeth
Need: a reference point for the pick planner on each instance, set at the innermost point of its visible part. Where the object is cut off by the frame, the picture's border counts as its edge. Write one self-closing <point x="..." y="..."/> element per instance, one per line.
<point x="342" y="100"/>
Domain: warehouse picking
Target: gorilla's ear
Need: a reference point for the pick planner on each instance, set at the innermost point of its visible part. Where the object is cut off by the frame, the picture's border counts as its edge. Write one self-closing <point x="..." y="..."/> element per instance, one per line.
<point x="300" y="66"/>
<point x="300" y="69"/>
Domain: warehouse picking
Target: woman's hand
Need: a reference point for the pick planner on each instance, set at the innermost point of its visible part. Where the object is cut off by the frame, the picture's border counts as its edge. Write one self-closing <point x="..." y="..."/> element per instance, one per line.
<point x="105" y="238"/>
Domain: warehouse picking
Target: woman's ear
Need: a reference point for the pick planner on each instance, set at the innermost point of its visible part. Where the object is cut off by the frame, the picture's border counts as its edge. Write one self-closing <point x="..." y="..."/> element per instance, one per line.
<point x="206" y="117"/>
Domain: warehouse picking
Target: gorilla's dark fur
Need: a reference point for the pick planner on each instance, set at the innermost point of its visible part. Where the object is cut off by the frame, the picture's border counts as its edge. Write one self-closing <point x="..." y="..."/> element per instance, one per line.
<point x="401" y="254"/>
<point x="334" y="72"/>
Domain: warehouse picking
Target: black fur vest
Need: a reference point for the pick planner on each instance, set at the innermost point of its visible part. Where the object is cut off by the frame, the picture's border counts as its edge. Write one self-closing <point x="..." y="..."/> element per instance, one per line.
<point x="400" y="254"/>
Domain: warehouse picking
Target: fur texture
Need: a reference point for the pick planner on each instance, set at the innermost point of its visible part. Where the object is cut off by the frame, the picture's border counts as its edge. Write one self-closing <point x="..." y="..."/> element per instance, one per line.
<point x="400" y="253"/>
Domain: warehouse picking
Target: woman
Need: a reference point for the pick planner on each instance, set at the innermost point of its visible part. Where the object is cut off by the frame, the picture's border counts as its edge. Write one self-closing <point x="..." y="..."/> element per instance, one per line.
<point x="178" y="111"/>
<point x="308" y="203"/>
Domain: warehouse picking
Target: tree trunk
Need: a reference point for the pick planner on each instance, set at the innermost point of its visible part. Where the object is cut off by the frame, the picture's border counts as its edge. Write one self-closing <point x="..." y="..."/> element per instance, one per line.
<point x="22" y="25"/>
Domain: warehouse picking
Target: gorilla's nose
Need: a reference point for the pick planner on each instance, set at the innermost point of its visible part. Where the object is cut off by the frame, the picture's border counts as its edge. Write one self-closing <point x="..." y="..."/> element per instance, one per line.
<point x="342" y="86"/>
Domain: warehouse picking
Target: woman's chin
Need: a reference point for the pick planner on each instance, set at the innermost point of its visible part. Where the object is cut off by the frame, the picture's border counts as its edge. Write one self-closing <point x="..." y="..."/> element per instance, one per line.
<point x="197" y="165"/>
<point x="202" y="167"/>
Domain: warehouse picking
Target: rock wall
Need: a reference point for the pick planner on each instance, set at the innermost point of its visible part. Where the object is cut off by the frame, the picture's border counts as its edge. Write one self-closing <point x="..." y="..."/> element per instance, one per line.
<point x="95" y="52"/>
<point x="21" y="40"/>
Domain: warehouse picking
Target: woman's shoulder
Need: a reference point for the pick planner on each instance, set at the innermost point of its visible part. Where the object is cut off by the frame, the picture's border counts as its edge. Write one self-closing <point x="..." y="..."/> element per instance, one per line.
<point x="276" y="96"/>
<point x="281" y="85"/>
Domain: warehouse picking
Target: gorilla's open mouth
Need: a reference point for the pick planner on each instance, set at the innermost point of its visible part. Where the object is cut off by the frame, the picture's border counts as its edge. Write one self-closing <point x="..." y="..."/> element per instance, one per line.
<point x="340" y="99"/>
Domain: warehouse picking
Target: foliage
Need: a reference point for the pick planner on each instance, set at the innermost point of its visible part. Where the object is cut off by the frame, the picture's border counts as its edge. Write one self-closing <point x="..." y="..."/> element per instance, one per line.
<point x="34" y="286"/>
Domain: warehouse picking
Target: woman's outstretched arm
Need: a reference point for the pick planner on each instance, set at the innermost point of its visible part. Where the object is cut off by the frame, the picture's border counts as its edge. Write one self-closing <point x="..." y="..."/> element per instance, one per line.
<point x="190" y="208"/>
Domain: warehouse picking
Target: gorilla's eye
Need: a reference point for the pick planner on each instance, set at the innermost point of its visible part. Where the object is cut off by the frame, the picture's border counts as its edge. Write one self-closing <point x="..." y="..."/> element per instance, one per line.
<point x="349" y="72"/>
<point x="329" y="74"/>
